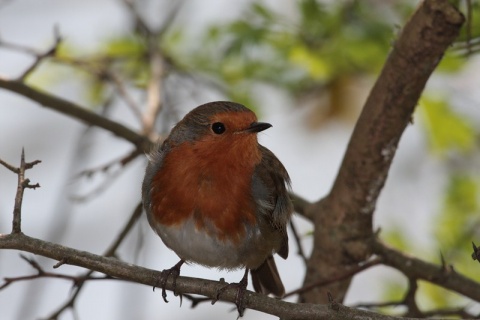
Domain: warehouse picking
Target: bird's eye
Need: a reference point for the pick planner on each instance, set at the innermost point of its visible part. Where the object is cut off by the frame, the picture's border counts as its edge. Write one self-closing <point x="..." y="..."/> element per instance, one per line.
<point x="218" y="127"/>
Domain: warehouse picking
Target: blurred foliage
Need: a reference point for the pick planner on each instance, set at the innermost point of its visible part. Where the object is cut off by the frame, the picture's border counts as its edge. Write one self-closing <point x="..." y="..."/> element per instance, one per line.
<point x="446" y="130"/>
<point x="298" y="52"/>
<point x="471" y="30"/>
<point x="459" y="222"/>
<point x="430" y="296"/>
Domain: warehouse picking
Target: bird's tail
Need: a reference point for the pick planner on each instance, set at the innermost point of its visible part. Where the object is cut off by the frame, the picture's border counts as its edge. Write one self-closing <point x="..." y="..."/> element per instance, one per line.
<point x="266" y="280"/>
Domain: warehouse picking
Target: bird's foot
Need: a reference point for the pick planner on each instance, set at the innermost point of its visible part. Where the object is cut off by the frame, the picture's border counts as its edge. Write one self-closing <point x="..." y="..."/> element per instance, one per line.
<point x="240" y="296"/>
<point x="174" y="272"/>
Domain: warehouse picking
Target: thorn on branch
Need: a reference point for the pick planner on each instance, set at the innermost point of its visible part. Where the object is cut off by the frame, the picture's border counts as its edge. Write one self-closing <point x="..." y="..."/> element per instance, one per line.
<point x="442" y="260"/>
<point x="334" y="305"/>
<point x="60" y="263"/>
<point x="195" y="300"/>
<point x="476" y="252"/>
<point x="446" y="268"/>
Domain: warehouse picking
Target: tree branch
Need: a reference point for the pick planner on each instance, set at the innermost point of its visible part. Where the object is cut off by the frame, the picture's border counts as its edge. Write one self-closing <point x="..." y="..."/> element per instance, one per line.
<point x="110" y="252"/>
<point x="343" y="220"/>
<point x="418" y="269"/>
<point x="301" y="206"/>
<point x="129" y="272"/>
<point x="77" y="112"/>
<point x="22" y="184"/>
<point x="39" y="57"/>
<point x="77" y="280"/>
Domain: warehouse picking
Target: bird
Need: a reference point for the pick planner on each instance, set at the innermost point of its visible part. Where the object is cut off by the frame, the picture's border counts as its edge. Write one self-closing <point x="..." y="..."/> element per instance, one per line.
<point x="218" y="198"/>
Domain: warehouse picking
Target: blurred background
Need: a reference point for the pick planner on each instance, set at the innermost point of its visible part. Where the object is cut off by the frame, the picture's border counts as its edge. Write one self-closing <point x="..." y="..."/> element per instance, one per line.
<point x="305" y="66"/>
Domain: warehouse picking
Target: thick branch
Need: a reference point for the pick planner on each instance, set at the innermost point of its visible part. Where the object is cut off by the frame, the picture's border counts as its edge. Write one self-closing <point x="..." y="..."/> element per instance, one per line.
<point x="343" y="220"/>
<point x="391" y="103"/>
<point x="75" y="111"/>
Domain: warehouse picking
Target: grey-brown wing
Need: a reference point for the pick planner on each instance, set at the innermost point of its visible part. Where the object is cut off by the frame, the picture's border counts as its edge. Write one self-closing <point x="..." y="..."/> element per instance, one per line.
<point x="270" y="186"/>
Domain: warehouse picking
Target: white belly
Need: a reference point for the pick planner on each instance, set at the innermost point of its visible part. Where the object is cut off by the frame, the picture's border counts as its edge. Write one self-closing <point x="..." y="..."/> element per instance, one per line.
<point x="198" y="246"/>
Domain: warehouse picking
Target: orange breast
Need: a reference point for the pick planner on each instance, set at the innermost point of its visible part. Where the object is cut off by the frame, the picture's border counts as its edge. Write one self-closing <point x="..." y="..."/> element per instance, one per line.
<point x="211" y="182"/>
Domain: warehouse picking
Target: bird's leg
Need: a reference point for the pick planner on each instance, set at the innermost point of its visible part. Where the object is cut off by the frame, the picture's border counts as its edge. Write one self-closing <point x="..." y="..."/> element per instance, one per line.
<point x="175" y="272"/>
<point x="240" y="297"/>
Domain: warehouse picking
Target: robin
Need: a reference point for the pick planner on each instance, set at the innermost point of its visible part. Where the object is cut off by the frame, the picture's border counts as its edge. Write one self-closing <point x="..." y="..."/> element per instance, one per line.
<point x="218" y="198"/>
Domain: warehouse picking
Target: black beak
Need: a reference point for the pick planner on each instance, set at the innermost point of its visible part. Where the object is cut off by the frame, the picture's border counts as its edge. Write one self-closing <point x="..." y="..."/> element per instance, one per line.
<point x="257" y="127"/>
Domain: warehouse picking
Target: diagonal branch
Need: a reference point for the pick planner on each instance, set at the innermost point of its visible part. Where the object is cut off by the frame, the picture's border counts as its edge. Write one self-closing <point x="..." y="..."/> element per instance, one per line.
<point x="76" y="112"/>
<point x="39" y="57"/>
<point x="418" y="269"/>
<point x="110" y="252"/>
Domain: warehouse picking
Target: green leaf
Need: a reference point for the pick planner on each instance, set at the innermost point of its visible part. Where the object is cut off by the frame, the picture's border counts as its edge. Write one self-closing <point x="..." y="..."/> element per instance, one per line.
<point x="124" y="47"/>
<point x="446" y="130"/>
<point x="316" y="67"/>
<point x="459" y="221"/>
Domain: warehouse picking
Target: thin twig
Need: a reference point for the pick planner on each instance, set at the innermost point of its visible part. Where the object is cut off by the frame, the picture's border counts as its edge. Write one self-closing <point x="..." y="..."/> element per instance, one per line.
<point x="351" y="273"/>
<point x="140" y="22"/>
<point x="22" y="184"/>
<point x="43" y="274"/>
<point x="99" y="67"/>
<point x="19" y="48"/>
<point x="9" y="167"/>
<point x="120" y="87"/>
<point x="298" y="241"/>
<point x="42" y="56"/>
<point x="100" y="188"/>
<point x="122" y="162"/>
<point x="154" y="91"/>
<point x="110" y="252"/>
<point x="170" y="17"/>
<point x="76" y="112"/>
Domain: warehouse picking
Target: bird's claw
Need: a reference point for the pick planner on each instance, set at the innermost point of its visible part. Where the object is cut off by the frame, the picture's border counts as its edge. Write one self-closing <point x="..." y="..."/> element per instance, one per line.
<point x="239" y="297"/>
<point x="175" y="273"/>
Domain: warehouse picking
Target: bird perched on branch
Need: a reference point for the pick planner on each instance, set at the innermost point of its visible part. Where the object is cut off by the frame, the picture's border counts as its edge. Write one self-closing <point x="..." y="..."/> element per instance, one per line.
<point x="218" y="198"/>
